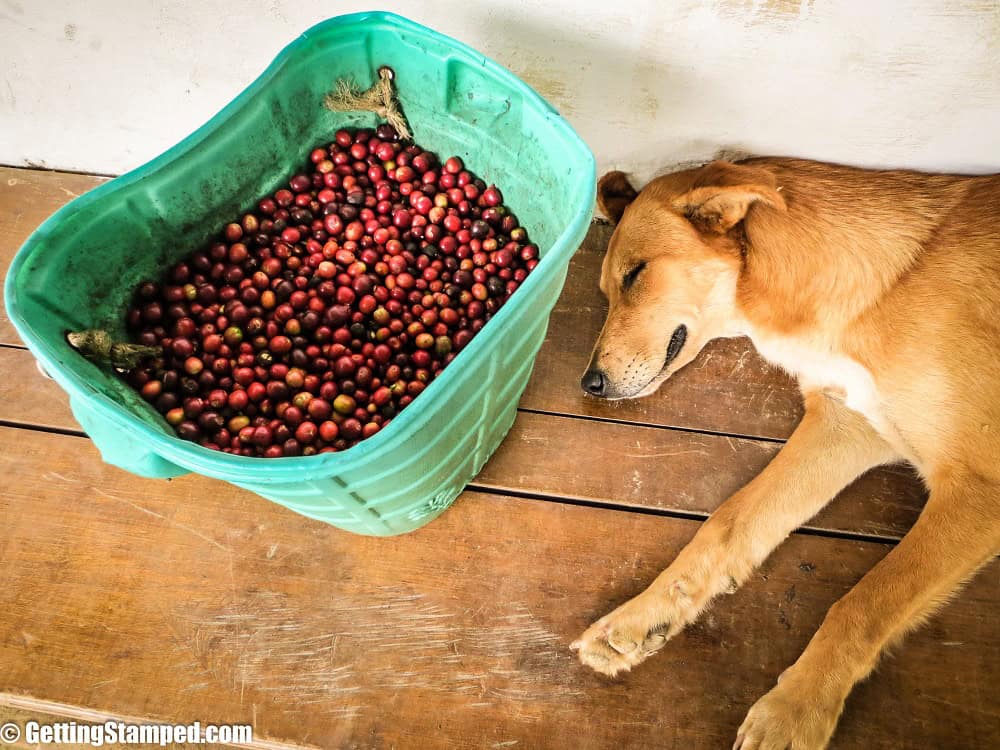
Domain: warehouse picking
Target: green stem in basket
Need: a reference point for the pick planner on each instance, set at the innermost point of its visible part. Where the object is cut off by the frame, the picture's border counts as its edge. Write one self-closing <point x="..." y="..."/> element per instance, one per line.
<point x="380" y="99"/>
<point x="100" y="347"/>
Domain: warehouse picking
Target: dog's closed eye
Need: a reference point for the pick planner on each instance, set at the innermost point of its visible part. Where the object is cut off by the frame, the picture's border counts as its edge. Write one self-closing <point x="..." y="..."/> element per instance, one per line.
<point x="629" y="278"/>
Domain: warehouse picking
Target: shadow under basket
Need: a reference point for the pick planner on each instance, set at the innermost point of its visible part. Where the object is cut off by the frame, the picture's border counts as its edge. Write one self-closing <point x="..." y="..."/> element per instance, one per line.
<point x="78" y="270"/>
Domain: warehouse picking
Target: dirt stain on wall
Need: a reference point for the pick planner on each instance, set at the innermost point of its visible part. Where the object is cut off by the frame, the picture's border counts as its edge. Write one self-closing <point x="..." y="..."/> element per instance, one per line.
<point x="551" y="88"/>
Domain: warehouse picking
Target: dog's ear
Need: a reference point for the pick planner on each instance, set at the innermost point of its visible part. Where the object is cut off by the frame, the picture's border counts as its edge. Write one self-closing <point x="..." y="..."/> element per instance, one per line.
<point x="614" y="193"/>
<point x="724" y="192"/>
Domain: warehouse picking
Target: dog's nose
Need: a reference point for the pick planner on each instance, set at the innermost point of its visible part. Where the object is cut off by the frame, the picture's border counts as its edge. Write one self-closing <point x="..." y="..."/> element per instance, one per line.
<point x="594" y="383"/>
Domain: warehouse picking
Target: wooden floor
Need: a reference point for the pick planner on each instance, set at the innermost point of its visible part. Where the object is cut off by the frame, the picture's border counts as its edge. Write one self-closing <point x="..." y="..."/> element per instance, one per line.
<point x="192" y="600"/>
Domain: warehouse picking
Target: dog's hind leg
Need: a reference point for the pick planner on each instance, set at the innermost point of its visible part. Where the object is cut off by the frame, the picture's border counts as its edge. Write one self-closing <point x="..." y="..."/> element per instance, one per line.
<point x="831" y="447"/>
<point x="957" y="533"/>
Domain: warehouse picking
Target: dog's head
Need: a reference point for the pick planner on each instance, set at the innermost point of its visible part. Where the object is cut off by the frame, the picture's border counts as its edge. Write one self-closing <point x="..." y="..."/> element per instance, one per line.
<point x="670" y="272"/>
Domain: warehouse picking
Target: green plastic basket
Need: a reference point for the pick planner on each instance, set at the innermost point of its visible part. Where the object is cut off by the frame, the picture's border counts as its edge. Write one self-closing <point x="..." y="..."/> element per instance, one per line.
<point x="79" y="268"/>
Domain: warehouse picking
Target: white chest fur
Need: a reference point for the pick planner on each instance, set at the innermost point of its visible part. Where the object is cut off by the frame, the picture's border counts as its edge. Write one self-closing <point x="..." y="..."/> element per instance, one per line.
<point x="816" y="369"/>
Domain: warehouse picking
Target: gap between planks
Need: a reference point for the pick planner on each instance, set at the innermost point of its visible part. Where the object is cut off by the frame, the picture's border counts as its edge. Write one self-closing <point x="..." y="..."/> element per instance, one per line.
<point x="654" y="425"/>
<point x="686" y="515"/>
<point x="552" y="498"/>
<point x="59" y="170"/>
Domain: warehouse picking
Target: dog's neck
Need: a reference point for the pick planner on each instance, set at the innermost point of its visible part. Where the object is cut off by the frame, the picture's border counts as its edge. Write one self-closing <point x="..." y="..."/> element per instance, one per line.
<point x="818" y="266"/>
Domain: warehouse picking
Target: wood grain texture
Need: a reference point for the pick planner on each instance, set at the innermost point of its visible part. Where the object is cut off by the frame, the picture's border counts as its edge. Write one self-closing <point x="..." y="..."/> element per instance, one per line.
<point x="668" y="470"/>
<point x="27" y="198"/>
<point x="728" y="389"/>
<point x="627" y="465"/>
<point x="189" y="600"/>
<point x="28" y="398"/>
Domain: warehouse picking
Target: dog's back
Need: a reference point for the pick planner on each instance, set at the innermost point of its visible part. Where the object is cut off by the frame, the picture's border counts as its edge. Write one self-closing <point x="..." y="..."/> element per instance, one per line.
<point x="899" y="271"/>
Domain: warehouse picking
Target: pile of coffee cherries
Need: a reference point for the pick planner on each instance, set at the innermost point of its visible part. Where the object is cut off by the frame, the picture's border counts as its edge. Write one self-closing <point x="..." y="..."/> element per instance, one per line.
<point x="313" y="320"/>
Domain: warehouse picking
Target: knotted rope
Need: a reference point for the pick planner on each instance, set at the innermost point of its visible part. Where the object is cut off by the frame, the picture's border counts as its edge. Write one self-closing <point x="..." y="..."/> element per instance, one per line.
<point x="380" y="99"/>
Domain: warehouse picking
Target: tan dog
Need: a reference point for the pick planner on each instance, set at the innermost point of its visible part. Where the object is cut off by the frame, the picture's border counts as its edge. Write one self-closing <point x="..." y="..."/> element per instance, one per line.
<point x="880" y="292"/>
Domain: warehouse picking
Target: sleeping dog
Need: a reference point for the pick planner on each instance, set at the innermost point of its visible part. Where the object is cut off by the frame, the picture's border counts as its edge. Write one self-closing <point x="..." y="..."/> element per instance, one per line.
<point x="879" y="291"/>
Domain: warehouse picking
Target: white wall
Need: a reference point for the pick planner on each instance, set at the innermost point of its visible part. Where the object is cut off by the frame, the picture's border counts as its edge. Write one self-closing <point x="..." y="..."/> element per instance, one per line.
<point x="103" y="85"/>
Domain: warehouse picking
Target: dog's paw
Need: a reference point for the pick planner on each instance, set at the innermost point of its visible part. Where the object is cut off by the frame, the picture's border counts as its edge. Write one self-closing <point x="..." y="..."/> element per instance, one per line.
<point x="625" y="637"/>
<point x="794" y="715"/>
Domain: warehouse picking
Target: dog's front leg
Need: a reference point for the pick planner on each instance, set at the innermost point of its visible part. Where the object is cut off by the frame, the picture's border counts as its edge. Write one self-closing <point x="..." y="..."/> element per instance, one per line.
<point x="830" y="448"/>
<point x="957" y="533"/>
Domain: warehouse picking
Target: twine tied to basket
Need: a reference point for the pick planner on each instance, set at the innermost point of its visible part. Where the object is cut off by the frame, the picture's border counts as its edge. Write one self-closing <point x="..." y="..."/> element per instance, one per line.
<point x="100" y="347"/>
<point x="380" y="99"/>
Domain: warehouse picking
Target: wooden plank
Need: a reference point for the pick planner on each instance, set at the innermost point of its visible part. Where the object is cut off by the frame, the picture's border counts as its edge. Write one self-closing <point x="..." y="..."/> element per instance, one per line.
<point x="27" y="198"/>
<point x="727" y="389"/>
<point x="194" y="600"/>
<point x="626" y="465"/>
<point x="636" y="467"/>
<point x="29" y="398"/>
